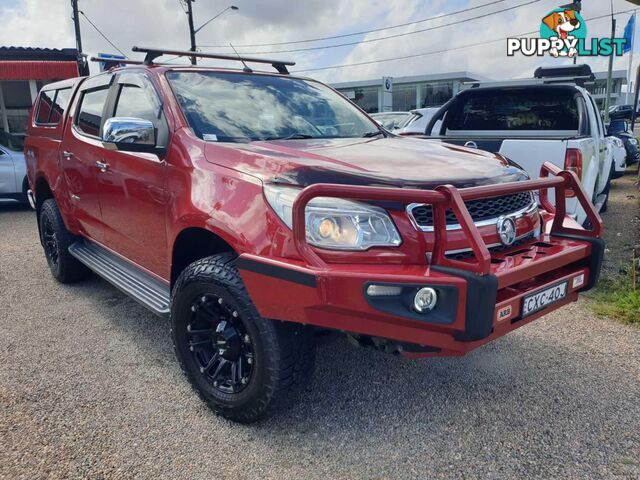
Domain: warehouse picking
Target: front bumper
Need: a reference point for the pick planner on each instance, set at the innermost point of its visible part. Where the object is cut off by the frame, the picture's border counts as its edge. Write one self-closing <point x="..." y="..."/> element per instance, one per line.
<point x="481" y="298"/>
<point x="478" y="309"/>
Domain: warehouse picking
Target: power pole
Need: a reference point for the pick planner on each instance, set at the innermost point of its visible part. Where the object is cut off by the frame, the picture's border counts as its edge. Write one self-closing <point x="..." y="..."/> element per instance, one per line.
<point x="192" y="33"/>
<point x="83" y="67"/>
<point x="610" y="74"/>
<point x="76" y="23"/>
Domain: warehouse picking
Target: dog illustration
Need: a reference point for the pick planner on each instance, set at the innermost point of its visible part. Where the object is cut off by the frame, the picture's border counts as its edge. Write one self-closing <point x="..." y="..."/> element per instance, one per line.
<point x="562" y="23"/>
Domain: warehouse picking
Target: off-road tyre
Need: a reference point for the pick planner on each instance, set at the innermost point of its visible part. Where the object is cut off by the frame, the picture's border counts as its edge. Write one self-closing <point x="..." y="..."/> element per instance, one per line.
<point x="283" y="353"/>
<point x="56" y="240"/>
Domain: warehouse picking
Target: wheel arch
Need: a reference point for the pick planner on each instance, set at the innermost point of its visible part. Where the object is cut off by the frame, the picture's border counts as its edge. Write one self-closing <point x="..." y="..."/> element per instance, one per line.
<point x="42" y="192"/>
<point x="194" y="243"/>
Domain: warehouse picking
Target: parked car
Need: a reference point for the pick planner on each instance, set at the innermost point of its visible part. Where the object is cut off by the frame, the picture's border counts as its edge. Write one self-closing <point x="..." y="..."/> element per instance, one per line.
<point x="391" y="120"/>
<point x="13" y="169"/>
<point x="622" y="130"/>
<point x="253" y="221"/>
<point x="417" y="122"/>
<point x="621" y="112"/>
<point x="532" y="122"/>
<point x="619" y="166"/>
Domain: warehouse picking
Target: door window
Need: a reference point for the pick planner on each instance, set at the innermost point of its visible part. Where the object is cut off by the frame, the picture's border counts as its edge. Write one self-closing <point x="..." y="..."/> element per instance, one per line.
<point x="90" y="111"/>
<point x="138" y="101"/>
<point x="137" y="98"/>
<point x="60" y="105"/>
<point x="51" y="106"/>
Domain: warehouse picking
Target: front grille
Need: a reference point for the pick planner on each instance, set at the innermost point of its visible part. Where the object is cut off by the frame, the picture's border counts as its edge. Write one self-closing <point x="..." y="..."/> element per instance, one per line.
<point x="493" y="250"/>
<point x="480" y="210"/>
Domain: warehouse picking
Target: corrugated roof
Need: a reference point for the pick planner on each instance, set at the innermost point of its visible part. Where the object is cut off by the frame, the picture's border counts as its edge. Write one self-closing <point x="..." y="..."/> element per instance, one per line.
<point x="38" y="54"/>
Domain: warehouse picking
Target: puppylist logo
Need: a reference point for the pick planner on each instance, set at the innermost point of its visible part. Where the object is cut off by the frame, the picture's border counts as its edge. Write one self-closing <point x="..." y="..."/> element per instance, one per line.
<point x="563" y="33"/>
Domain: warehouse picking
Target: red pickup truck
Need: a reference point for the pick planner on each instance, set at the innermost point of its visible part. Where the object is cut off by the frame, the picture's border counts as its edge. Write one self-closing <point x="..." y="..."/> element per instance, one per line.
<point x="256" y="209"/>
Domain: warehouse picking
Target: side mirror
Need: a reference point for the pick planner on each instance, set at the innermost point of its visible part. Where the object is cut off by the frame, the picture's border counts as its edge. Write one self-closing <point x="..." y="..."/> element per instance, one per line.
<point x="130" y="134"/>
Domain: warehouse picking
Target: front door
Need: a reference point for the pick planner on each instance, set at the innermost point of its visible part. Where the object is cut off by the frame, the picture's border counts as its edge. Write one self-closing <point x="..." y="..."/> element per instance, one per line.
<point x="132" y="186"/>
<point x="82" y="150"/>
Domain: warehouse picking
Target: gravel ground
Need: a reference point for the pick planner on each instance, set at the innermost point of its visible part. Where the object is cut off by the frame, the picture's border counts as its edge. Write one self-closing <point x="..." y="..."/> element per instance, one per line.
<point x="89" y="388"/>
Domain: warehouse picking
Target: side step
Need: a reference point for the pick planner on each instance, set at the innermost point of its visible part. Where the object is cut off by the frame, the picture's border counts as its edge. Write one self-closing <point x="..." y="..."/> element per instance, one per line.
<point x="136" y="283"/>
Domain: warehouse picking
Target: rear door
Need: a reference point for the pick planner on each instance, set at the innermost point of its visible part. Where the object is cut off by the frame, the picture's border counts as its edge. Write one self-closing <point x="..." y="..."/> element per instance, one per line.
<point x="82" y="152"/>
<point x="132" y="190"/>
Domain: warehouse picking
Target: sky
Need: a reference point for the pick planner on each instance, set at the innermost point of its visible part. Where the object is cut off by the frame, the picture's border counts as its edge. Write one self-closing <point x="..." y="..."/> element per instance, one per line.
<point x="47" y="23"/>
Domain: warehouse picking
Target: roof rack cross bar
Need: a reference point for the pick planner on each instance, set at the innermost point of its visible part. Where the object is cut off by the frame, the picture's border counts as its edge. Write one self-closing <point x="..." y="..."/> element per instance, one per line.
<point x="153" y="53"/>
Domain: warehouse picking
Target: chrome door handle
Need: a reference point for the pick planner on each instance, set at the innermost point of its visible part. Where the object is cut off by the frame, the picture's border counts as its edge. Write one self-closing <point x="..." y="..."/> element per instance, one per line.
<point x="67" y="155"/>
<point x="102" y="166"/>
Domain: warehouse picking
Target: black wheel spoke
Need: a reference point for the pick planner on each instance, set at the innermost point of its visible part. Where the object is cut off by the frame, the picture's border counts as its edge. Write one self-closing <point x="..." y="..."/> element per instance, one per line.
<point x="234" y="372"/>
<point x="219" y="368"/>
<point x="191" y="331"/>
<point x="211" y="363"/>
<point x="198" y="343"/>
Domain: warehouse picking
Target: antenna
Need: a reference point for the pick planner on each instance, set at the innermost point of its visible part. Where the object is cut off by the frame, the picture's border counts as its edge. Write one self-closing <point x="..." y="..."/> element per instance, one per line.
<point x="246" y="68"/>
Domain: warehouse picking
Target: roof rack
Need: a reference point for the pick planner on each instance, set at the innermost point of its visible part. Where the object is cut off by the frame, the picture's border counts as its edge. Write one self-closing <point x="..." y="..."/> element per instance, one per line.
<point x="153" y="53"/>
<point x="565" y="71"/>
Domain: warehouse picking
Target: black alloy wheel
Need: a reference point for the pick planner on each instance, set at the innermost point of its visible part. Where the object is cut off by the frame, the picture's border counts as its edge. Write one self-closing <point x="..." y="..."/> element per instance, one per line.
<point x="220" y="343"/>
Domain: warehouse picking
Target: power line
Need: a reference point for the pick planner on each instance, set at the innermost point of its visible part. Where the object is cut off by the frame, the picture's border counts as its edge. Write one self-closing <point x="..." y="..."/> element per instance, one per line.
<point x="397" y="35"/>
<point x="461" y="47"/>
<point x="102" y="34"/>
<point x="319" y="39"/>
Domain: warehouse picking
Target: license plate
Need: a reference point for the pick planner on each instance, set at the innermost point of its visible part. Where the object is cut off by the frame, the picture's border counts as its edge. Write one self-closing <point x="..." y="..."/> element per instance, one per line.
<point x="537" y="301"/>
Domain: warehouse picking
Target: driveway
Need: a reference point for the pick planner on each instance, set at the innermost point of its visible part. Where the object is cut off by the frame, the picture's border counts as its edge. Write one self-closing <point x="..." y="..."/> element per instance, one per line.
<point x="89" y="388"/>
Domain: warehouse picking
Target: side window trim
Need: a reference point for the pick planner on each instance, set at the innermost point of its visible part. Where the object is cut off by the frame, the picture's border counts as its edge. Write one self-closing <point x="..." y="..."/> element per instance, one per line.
<point x="106" y="83"/>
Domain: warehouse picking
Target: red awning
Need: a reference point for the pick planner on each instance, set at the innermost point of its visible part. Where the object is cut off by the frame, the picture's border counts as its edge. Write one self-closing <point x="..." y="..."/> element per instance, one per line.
<point x="37" y="70"/>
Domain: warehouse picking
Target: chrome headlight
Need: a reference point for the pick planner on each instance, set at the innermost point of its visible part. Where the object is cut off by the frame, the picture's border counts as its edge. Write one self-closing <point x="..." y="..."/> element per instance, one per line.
<point x="335" y="223"/>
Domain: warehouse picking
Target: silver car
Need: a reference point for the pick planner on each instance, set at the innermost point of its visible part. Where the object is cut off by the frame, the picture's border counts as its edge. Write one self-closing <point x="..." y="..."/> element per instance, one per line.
<point x="13" y="170"/>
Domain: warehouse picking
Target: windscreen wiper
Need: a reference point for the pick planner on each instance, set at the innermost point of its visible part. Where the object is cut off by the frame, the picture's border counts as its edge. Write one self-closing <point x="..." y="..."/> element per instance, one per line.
<point x="293" y="136"/>
<point x="373" y="134"/>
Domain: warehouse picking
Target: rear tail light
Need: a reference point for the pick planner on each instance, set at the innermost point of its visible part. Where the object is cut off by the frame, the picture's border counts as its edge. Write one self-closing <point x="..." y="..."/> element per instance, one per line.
<point x="573" y="163"/>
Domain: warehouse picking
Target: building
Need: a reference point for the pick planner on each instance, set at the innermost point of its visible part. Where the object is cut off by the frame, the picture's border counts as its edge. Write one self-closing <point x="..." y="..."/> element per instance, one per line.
<point x="599" y="88"/>
<point x="419" y="91"/>
<point x="23" y="71"/>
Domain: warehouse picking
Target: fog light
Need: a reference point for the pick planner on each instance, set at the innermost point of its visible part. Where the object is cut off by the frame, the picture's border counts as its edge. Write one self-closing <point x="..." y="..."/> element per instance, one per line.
<point x="425" y="300"/>
<point x="383" y="291"/>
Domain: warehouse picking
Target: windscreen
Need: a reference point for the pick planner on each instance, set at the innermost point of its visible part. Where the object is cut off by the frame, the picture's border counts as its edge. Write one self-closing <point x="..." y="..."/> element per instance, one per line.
<point x="526" y="109"/>
<point x="237" y="107"/>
